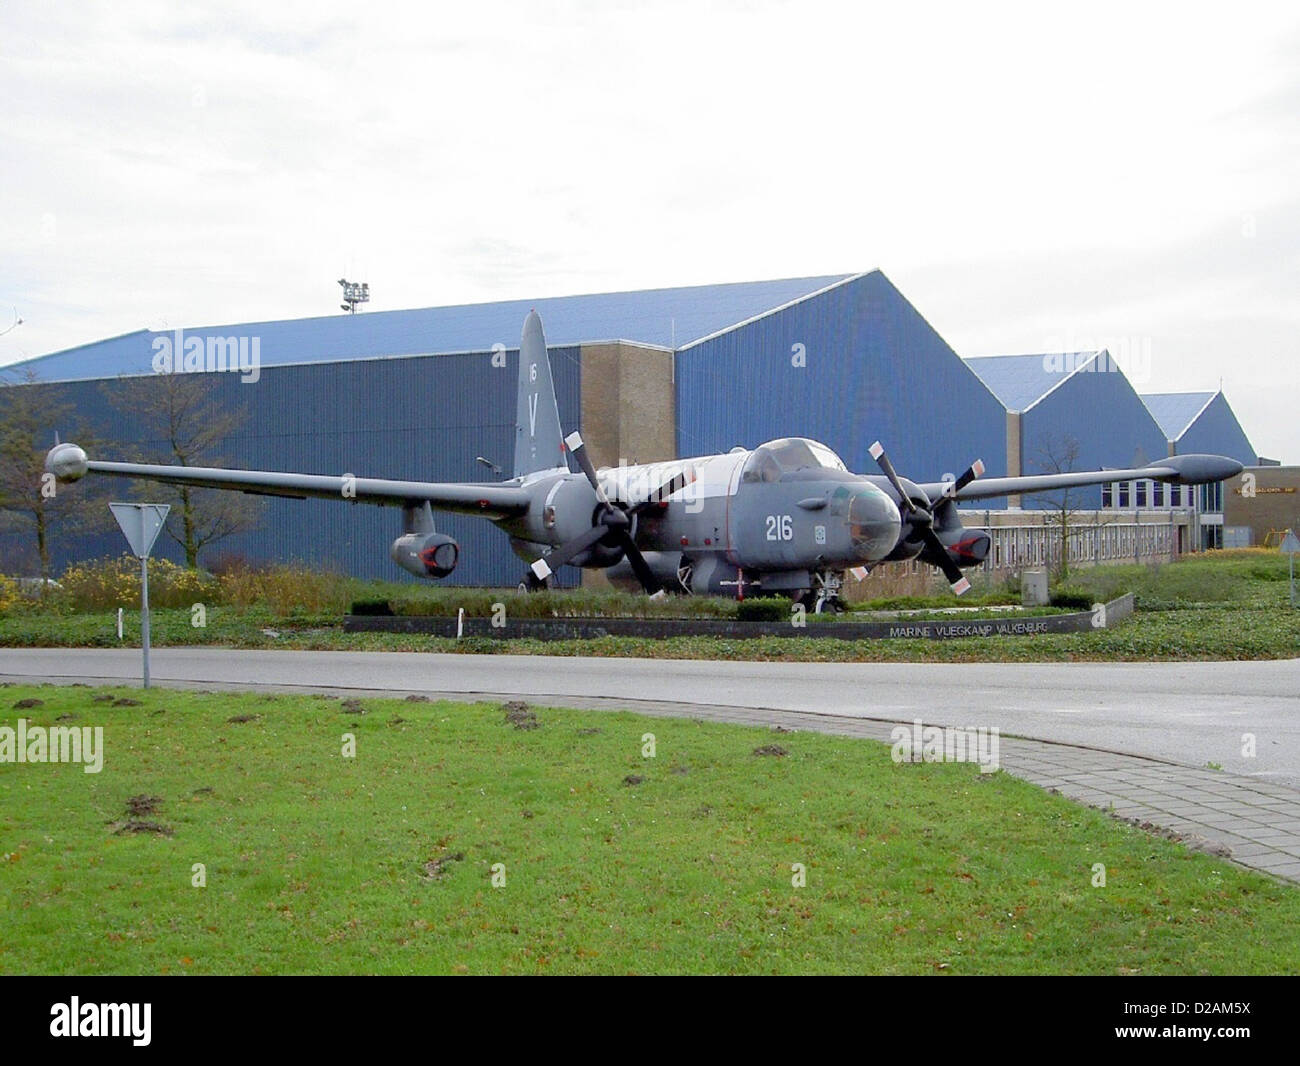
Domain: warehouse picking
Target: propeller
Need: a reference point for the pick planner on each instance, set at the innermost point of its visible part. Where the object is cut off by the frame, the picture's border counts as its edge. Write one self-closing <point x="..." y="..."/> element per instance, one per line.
<point x="922" y="520"/>
<point x="612" y="524"/>
<point x="976" y="469"/>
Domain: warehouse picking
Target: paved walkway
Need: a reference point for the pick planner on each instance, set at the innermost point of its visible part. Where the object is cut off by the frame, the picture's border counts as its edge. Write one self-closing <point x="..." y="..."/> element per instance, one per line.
<point x="1196" y="714"/>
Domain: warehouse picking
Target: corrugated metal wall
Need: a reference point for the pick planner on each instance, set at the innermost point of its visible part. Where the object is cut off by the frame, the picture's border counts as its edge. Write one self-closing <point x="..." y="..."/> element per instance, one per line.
<point x="875" y="369"/>
<point x="420" y="417"/>
<point x="1099" y="410"/>
<point x="1217" y="432"/>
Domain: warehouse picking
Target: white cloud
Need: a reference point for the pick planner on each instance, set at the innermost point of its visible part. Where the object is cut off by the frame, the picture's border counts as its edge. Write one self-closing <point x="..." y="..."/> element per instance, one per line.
<point x="1009" y="166"/>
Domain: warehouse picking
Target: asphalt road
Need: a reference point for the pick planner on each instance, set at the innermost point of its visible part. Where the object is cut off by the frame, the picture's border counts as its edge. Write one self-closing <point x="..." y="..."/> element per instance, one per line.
<point x="1192" y="713"/>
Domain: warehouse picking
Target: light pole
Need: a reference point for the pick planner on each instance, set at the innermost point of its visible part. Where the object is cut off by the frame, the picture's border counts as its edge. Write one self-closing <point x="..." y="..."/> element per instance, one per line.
<point x="354" y="292"/>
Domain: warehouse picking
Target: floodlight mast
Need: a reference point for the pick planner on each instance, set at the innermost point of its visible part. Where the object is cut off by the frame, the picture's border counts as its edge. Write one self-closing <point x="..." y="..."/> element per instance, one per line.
<point x="354" y="292"/>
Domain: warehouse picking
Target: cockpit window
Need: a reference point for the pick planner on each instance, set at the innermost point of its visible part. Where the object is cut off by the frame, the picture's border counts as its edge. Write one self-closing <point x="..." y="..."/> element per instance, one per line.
<point x="769" y="461"/>
<point x="761" y="466"/>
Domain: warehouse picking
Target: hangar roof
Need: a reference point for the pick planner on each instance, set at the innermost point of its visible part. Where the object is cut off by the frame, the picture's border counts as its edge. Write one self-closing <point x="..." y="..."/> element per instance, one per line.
<point x="1020" y="381"/>
<point x="1176" y="411"/>
<point x="669" y="318"/>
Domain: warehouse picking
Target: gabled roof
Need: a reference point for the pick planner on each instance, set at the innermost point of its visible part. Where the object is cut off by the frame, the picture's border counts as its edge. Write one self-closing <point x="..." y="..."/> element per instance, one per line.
<point x="1176" y="411"/>
<point x="1020" y="381"/>
<point x="669" y="318"/>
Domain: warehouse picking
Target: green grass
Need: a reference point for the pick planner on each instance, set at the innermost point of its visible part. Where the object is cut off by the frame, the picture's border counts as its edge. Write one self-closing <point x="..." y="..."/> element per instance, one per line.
<point x="1218" y="632"/>
<point x="1218" y="605"/>
<point x="317" y="863"/>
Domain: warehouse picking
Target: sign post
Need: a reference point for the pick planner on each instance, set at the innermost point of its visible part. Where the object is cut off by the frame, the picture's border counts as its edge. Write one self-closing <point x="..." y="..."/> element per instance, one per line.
<point x="1291" y="545"/>
<point x="141" y="523"/>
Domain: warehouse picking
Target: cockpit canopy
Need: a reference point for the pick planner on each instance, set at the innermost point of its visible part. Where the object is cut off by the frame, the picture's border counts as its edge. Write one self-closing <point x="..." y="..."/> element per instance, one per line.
<point x="768" y="462"/>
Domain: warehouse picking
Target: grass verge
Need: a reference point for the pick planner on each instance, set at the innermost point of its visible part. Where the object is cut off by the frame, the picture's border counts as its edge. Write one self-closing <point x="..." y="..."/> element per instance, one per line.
<point x="608" y="861"/>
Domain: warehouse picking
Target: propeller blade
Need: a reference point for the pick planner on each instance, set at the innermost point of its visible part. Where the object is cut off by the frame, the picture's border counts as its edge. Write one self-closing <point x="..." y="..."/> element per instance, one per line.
<point x="662" y="493"/>
<point x="950" y="569"/>
<point x="640" y="567"/>
<point x="557" y="557"/>
<point x="975" y="470"/>
<point x="579" y="452"/>
<point x="877" y="451"/>
<point x="922" y="520"/>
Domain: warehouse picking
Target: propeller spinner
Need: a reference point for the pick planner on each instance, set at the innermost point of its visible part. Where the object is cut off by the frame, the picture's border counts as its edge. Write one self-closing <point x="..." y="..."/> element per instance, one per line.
<point x="922" y="520"/>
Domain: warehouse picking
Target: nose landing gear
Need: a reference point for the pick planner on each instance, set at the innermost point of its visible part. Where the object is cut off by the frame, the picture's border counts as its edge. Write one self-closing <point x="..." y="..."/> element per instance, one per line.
<point x="824" y="596"/>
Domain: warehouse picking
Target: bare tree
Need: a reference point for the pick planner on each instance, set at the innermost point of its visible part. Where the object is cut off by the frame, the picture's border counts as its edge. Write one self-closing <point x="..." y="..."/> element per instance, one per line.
<point x="29" y="498"/>
<point x="185" y="425"/>
<point x="1057" y="455"/>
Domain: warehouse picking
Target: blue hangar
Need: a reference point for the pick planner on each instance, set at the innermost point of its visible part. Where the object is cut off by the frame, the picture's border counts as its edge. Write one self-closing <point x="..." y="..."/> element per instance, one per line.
<point x="646" y="375"/>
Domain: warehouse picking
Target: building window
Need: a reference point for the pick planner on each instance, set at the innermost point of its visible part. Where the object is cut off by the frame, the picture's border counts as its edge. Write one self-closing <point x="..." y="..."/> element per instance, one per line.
<point x="1158" y="494"/>
<point x="1140" y="488"/>
<point x="1108" y="495"/>
<point x="1124" y="493"/>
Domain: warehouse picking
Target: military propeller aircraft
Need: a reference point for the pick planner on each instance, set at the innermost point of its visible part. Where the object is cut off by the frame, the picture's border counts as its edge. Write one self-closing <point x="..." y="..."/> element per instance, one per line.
<point x="786" y="517"/>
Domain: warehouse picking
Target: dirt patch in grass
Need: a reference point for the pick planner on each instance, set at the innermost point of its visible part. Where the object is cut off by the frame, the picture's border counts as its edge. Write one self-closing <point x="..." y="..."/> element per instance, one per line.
<point x="520" y="716"/>
<point x="137" y="821"/>
<point x="238" y="719"/>
<point x="28" y="704"/>
<point x="354" y="707"/>
<point x="435" y="868"/>
<point x="771" y="749"/>
<point x="138" y="806"/>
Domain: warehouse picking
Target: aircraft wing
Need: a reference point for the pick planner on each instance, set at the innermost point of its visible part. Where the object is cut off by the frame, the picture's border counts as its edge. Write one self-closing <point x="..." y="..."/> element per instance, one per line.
<point x="69" y="463"/>
<point x="1177" y="469"/>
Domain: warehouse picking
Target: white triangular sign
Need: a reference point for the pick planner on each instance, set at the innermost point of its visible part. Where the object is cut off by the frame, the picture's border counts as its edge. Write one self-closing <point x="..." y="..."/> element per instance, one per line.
<point x="141" y="524"/>
<point x="1291" y="543"/>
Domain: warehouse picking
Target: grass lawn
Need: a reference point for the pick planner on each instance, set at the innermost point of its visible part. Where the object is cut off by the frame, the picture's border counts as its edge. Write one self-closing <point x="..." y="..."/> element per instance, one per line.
<point x="1216" y="605"/>
<point x="384" y="862"/>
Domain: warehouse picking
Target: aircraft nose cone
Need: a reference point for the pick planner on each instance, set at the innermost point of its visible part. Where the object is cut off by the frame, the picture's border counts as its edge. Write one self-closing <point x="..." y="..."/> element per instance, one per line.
<point x="874" y="523"/>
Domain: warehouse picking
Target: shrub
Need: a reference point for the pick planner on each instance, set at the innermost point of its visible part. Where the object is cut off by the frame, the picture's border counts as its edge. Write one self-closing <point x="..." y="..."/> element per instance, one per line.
<point x="764" y="610"/>
<point x="1075" y="599"/>
<point x="108" y="583"/>
<point x="285" y="590"/>
<point x="10" y="593"/>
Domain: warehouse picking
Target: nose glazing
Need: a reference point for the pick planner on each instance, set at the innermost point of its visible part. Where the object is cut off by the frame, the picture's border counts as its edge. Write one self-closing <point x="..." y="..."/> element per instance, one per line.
<point x="874" y="523"/>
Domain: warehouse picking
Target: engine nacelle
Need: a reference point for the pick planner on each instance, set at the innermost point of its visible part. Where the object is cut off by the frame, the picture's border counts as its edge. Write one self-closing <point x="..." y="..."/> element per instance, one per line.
<point x="426" y="554"/>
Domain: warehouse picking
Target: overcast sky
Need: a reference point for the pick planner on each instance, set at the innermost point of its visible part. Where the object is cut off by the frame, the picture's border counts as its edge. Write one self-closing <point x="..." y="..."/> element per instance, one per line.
<point x="1032" y="177"/>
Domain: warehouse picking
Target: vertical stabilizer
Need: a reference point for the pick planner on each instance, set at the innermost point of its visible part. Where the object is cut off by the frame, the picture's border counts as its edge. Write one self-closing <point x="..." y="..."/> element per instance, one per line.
<point x="539" y="444"/>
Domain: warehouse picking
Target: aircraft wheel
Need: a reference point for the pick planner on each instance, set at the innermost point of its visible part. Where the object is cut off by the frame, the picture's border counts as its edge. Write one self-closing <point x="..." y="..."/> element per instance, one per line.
<point x="530" y="583"/>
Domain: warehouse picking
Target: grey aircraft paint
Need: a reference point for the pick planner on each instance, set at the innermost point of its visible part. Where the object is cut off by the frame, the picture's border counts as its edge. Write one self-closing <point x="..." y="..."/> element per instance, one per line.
<point x="539" y="442"/>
